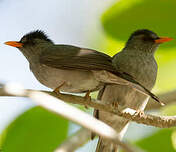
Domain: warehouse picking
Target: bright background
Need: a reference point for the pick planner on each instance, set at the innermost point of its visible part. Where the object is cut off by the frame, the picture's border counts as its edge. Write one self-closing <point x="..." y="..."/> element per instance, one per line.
<point x="99" y="24"/>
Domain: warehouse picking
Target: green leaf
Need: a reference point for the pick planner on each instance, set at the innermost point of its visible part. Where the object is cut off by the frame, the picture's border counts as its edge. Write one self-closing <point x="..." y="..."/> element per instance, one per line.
<point x="169" y="110"/>
<point x="126" y="16"/>
<point x="174" y="139"/>
<point x="35" y="130"/>
<point x="160" y="141"/>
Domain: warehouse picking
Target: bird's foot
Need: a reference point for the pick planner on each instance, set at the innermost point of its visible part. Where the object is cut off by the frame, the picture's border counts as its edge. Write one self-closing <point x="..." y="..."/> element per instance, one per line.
<point x="139" y="113"/>
<point x="114" y="104"/>
<point x="87" y="98"/>
<point x="57" y="90"/>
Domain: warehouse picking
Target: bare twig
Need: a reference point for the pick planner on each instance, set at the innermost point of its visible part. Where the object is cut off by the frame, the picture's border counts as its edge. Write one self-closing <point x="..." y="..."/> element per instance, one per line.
<point x="58" y="106"/>
<point x="162" y="122"/>
<point x="83" y="135"/>
<point x="152" y="120"/>
<point x="157" y="121"/>
<point x="77" y="140"/>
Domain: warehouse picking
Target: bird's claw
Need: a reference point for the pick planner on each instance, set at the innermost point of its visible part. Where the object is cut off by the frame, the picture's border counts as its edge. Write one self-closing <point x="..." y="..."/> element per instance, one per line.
<point x="139" y="113"/>
<point x="87" y="98"/>
<point x="114" y="105"/>
<point x="57" y="90"/>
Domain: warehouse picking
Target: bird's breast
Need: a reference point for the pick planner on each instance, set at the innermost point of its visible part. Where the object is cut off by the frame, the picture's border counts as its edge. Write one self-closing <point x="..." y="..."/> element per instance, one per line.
<point x="75" y="81"/>
<point x="142" y="68"/>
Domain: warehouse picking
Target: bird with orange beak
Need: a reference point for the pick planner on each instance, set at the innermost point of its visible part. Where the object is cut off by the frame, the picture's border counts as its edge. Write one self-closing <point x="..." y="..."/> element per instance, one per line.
<point x="136" y="59"/>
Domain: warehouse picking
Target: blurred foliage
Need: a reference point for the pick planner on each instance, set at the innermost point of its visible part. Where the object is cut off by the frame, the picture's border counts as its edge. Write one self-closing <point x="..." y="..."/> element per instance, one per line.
<point x="160" y="141"/>
<point x="173" y="137"/>
<point x="125" y="16"/>
<point x="169" y="110"/>
<point x="35" y="130"/>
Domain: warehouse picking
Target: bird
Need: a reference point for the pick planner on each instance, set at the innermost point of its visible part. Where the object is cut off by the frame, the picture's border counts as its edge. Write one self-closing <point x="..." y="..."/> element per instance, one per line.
<point x="136" y="59"/>
<point x="70" y="68"/>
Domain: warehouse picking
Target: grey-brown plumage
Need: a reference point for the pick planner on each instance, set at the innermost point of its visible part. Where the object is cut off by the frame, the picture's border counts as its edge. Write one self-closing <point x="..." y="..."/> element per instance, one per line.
<point x="80" y="69"/>
<point x="136" y="59"/>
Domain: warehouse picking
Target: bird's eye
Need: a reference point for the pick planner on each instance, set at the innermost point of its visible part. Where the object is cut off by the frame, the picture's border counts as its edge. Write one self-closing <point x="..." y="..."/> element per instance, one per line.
<point x="23" y="40"/>
<point x="145" y="38"/>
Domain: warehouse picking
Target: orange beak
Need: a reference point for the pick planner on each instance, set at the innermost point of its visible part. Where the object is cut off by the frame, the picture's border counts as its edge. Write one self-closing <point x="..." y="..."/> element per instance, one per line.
<point x="163" y="39"/>
<point x="14" y="44"/>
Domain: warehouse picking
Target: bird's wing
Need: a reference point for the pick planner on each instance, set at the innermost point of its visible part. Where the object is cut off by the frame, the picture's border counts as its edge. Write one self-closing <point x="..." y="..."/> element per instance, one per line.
<point x="72" y="58"/>
<point x="75" y="58"/>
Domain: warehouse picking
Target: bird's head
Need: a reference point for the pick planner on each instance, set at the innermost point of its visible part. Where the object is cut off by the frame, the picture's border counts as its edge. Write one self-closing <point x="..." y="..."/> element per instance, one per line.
<point x="145" y="40"/>
<point x="31" y="43"/>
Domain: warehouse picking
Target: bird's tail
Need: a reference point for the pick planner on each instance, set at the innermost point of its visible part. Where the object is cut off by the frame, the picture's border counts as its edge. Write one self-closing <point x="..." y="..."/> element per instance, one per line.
<point x="128" y="80"/>
<point x="105" y="146"/>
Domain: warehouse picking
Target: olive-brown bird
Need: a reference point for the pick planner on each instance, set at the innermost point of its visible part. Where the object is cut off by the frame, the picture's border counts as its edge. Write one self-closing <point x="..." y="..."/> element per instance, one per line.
<point x="136" y="59"/>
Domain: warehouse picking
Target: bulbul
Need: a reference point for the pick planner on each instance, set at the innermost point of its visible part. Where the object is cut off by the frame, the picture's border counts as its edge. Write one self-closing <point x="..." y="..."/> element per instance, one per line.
<point x="70" y="68"/>
<point x="136" y="59"/>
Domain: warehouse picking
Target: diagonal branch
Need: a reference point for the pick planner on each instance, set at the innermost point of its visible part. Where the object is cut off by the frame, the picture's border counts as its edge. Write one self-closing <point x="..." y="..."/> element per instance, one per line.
<point x="157" y="121"/>
<point x="58" y="106"/>
<point x="77" y="140"/>
<point x="152" y="120"/>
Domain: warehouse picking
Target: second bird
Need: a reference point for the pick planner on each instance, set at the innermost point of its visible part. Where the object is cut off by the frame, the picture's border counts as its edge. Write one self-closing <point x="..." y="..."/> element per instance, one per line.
<point x="136" y="59"/>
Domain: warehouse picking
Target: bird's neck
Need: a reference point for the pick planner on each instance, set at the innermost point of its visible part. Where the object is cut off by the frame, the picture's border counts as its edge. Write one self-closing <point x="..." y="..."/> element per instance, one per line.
<point x="139" y="51"/>
<point x="32" y="54"/>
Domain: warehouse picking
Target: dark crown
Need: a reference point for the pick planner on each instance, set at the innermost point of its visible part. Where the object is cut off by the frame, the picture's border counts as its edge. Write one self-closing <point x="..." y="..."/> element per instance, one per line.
<point x="38" y="34"/>
<point x="143" y="32"/>
<point x="147" y="33"/>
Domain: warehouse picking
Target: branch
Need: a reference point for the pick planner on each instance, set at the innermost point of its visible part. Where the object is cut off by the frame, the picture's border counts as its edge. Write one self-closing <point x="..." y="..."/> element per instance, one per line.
<point x="83" y="135"/>
<point x="157" y="121"/>
<point x="60" y="107"/>
<point x="151" y="120"/>
<point x="168" y="98"/>
<point x="77" y="140"/>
